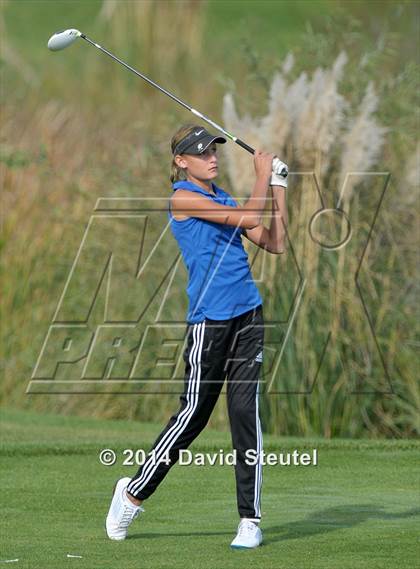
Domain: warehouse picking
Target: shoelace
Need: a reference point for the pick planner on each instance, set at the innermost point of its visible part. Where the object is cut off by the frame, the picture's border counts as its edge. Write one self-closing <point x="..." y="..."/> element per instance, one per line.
<point x="128" y="515"/>
<point x="246" y="527"/>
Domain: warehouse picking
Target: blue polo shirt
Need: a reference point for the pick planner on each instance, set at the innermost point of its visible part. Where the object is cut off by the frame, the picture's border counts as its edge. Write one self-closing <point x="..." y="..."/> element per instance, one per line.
<point x="220" y="284"/>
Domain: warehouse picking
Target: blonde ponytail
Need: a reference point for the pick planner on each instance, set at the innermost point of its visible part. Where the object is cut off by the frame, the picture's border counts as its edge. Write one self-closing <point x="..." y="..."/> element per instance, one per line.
<point x="178" y="173"/>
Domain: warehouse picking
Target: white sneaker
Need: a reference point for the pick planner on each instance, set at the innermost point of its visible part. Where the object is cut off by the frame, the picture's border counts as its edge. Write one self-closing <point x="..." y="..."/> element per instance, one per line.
<point x="121" y="512"/>
<point x="249" y="535"/>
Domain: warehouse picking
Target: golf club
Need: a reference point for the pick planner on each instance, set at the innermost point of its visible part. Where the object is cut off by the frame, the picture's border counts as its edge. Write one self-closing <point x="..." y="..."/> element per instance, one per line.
<point x="61" y="40"/>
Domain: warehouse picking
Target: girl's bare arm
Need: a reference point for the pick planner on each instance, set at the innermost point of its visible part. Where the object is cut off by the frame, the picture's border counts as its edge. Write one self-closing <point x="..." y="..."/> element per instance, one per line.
<point x="273" y="238"/>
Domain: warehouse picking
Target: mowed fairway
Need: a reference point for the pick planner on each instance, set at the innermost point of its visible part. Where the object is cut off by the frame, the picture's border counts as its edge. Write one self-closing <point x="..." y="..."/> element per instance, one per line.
<point x="358" y="508"/>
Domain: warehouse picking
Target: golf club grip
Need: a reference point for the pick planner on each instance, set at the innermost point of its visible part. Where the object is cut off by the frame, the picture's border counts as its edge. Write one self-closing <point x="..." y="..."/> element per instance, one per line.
<point x="244" y="145"/>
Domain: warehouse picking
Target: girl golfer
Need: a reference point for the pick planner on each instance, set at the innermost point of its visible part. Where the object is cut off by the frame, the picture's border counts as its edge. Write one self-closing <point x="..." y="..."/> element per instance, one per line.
<point x="225" y="326"/>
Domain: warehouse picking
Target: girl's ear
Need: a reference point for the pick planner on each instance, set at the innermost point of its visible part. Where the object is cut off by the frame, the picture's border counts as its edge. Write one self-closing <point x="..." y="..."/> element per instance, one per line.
<point x="180" y="161"/>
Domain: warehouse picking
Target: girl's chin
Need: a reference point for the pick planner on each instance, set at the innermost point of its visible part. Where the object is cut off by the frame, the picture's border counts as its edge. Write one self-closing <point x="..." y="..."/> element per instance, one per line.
<point x="209" y="177"/>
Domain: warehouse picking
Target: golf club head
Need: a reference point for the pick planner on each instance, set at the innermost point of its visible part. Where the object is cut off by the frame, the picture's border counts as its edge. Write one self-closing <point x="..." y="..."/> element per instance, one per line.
<point x="63" y="39"/>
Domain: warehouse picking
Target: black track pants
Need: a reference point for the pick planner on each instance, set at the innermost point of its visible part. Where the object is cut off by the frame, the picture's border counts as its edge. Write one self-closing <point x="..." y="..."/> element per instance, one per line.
<point x="215" y="349"/>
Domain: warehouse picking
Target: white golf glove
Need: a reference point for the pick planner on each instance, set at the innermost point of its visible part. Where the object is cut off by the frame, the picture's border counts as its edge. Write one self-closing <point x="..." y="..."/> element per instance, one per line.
<point x="279" y="174"/>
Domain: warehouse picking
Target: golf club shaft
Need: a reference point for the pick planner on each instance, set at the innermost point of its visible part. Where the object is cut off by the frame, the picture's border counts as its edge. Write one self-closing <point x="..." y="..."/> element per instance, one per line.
<point x="173" y="97"/>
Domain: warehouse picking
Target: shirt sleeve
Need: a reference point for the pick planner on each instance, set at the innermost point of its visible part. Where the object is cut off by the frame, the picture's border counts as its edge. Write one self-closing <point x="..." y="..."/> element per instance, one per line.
<point x="231" y="201"/>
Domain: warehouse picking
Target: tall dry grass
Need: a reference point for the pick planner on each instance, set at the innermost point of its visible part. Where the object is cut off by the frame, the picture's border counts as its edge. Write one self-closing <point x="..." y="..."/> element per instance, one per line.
<point x="108" y="136"/>
<point x="339" y="157"/>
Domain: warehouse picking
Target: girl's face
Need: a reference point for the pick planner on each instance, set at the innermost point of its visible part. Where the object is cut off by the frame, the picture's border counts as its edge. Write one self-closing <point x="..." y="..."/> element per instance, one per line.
<point x="202" y="166"/>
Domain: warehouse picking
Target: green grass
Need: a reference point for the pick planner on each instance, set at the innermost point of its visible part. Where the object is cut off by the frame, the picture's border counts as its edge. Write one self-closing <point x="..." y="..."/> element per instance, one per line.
<point x="358" y="508"/>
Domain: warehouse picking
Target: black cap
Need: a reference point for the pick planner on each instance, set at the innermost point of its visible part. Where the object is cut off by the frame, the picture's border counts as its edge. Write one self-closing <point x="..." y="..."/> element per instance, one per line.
<point x="197" y="142"/>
